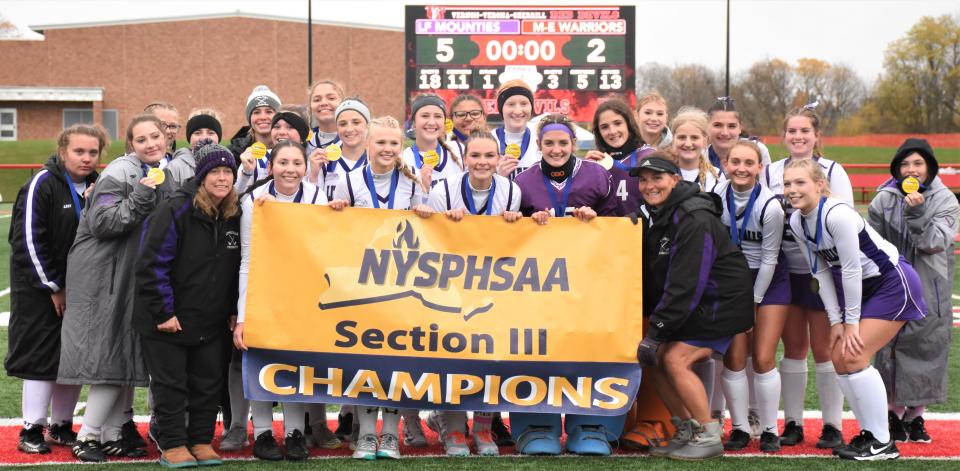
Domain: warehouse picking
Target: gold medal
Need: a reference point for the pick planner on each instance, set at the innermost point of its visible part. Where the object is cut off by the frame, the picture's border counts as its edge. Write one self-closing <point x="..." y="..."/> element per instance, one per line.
<point x="910" y="185"/>
<point x="333" y="152"/>
<point x="815" y="285"/>
<point x="310" y="136"/>
<point x="448" y="125"/>
<point x="259" y="150"/>
<point x="606" y="162"/>
<point x="431" y="158"/>
<point x="157" y="175"/>
<point x="513" y="151"/>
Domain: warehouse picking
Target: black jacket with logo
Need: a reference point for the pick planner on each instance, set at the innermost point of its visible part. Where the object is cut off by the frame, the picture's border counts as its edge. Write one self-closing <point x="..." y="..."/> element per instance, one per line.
<point x="699" y="283"/>
<point x="188" y="267"/>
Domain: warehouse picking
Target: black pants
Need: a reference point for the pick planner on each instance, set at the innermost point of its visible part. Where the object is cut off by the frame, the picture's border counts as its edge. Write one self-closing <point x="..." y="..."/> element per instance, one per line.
<point x="184" y="378"/>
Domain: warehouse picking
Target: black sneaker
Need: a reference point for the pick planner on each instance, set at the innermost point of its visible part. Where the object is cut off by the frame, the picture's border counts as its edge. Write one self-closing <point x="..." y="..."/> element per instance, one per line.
<point x="738" y="440"/>
<point x="500" y="432"/>
<point x="132" y="436"/>
<point x="855" y="444"/>
<point x="63" y="434"/>
<point x="769" y="442"/>
<point x="265" y="447"/>
<point x="89" y="451"/>
<point x="31" y="440"/>
<point x="344" y="426"/>
<point x="296" y="446"/>
<point x="123" y="448"/>
<point x="868" y="448"/>
<point x="918" y="432"/>
<point x="153" y="432"/>
<point x="897" y="431"/>
<point x="830" y="437"/>
<point x="792" y="434"/>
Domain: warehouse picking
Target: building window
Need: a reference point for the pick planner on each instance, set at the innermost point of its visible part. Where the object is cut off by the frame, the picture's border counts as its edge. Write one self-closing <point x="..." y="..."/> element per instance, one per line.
<point x="108" y="118"/>
<point x="8" y="124"/>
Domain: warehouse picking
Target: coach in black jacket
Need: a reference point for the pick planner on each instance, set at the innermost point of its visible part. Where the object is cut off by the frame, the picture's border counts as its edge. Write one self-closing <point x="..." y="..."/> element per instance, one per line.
<point x="42" y="229"/>
<point x="186" y="290"/>
<point x="699" y="297"/>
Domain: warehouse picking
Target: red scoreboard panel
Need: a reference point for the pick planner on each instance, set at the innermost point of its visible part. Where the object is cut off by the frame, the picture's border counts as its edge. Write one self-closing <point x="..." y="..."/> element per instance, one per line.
<point x="573" y="57"/>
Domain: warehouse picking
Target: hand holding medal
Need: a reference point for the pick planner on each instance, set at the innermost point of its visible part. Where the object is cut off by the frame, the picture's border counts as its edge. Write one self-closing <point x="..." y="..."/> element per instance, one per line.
<point x="512" y="151"/>
<point x="431" y="159"/>
<point x="911" y="189"/>
<point x="334" y="152"/>
<point x="259" y="150"/>
<point x="157" y="176"/>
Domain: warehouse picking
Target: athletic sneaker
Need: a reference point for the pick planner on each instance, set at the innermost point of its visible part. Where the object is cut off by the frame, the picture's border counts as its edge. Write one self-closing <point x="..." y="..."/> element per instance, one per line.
<point x="454" y="441"/>
<point x="89" y="451"/>
<point x="705" y="443"/>
<point x="130" y="433"/>
<point x="769" y="442"/>
<point x="266" y="448"/>
<point x="898" y="431"/>
<point x="413" y="433"/>
<point x="918" y="431"/>
<point x="865" y="447"/>
<point x="31" y="440"/>
<point x="682" y="435"/>
<point x="324" y="438"/>
<point x="365" y="447"/>
<point x="62" y="434"/>
<point x="235" y="438"/>
<point x="792" y="434"/>
<point x="296" y="446"/>
<point x="738" y="440"/>
<point x="830" y="437"/>
<point x="719" y="416"/>
<point x="484" y="443"/>
<point x="753" y="418"/>
<point x="123" y="448"/>
<point x="389" y="447"/>
<point x="501" y="434"/>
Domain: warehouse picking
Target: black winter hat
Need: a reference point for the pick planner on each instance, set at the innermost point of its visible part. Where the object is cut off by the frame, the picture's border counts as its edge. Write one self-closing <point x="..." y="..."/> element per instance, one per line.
<point x="922" y="147"/>
<point x="296" y="122"/>
<point x="201" y="121"/>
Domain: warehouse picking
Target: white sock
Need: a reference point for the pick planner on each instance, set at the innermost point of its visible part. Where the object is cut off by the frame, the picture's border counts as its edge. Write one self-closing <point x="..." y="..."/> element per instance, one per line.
<point x="793" y="377"/>
<point x="751" y="383"/>
<point x="64" y="402"/>
<point x="736" y="390"/>
<point x="717" y="403"/>
<point x="368" y="419"/>
<point x="318" y="414"/>
<point x="391" y="420"/>
<point x="101" y="399"/>
<point x="704" y="371"/>
<point x="843" y="381"/>
<point x="768" y="398"/>
<point x="239" y="405"/>
<point x="113" y="427"/>
<point x="831" y="397"/>
<point x="262" y="417"/>
<point x="36" y="400"/>
<point x="455" y="421"/>
<point x="867" y="386"/>
<point x="293" y="418"/>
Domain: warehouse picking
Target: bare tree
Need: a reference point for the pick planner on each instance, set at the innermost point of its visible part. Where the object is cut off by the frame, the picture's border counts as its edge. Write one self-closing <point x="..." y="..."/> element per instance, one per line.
<point x="764" y="93"/>
<point x="683" y="85"/>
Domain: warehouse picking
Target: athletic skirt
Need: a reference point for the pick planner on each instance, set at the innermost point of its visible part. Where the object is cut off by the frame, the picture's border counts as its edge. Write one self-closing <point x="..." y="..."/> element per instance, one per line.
<point x="896" y="295"/>
<point x="719" y="345"/>
<point x="778" y="293"/>
<point x="801" y="294"/>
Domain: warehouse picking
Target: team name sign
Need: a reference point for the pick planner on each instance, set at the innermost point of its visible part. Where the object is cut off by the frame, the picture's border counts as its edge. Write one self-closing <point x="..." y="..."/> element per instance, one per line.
<point x="384" y="308"/>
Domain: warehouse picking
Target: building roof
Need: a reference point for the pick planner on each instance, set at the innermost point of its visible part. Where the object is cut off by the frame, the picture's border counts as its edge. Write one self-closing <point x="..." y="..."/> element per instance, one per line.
<point x="11" y="31"/>
<point x="51" y="94"/>
<point x="213" y="16"/>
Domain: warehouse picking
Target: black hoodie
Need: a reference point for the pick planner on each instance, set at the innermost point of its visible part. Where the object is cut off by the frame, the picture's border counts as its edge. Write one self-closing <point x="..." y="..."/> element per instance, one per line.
<point x="922" y="147"/>
<point x="699" y="283"/>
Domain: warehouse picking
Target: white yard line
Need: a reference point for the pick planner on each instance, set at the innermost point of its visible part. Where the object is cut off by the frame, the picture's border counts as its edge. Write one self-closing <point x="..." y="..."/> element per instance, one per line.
<point x="4" y="292"/>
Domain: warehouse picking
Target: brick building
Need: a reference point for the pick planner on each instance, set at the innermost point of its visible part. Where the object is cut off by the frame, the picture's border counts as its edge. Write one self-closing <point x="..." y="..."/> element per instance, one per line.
<point x="107" y="72"/>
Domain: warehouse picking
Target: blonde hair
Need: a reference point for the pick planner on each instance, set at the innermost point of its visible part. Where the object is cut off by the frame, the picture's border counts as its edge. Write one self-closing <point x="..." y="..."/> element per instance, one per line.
<point x="749" y="145"/>
<point x="204" y="202"/>
<point x="95" y="131"/>
<point x="163" y="105"/>
<point x="814" y="170"/>
<point x="698" y="119"/>
<point x="391" y="123"/>
<point x="513" y="83"/>
<point x="336" y="88"/>
<point x="651" y="96"/>
<point x="207" y="112"/>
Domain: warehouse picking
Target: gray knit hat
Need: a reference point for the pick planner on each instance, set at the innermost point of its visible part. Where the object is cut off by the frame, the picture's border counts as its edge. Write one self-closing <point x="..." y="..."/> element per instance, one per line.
<point x="261" y="96"/>
<point x="353" y="104"/>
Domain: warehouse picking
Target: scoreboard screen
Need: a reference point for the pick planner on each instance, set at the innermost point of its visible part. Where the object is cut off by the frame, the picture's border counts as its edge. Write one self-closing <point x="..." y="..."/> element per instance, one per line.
<point x="573" y="57"/>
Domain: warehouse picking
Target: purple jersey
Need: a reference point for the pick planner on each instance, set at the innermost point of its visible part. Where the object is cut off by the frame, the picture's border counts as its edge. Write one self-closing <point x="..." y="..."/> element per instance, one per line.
<point x="590" y="185"/>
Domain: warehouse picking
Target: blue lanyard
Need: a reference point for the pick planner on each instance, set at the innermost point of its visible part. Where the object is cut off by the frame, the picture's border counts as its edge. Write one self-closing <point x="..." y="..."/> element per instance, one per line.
<point x="146" y="168"/>
<point x="360" y="162"/>
<point x="714" y="157"/>
<point x="630" y="159"/>
<point x="296" y="199"/>
<point x="374" y="196"/>
<point x="735" y="234"/>
<point x="559" y="206"/>
<point x="316" y="139"/>
<point x="817" y="235"/>
<point x="459" y="135"/>
<point x="467" y="194"/>
<point x="418" y="159"/>
<point x="73" y="193"/>
<point x="524" y="144"/>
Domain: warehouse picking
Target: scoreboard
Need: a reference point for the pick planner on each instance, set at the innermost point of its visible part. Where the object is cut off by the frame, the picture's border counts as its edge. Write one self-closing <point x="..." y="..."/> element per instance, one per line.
<point x="573" y="57"/>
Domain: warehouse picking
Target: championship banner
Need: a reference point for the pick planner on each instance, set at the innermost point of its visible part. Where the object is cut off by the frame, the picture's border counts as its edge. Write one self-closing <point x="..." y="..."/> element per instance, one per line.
<point x="574" y="57"/>
<point x="384" y="308"/>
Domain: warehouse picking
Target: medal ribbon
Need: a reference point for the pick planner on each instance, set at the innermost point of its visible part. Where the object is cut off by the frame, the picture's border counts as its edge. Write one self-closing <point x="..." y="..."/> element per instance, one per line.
<point x="524" y="144"/>
<point x="737" y="234"/>
<point x="817" y="235"/>
<point x="467" y="194"/>
<point x="73" y="194"/>
<point x="394" y="181"/>
<point x="296" y="199"/>
<point x="559" y="206"/>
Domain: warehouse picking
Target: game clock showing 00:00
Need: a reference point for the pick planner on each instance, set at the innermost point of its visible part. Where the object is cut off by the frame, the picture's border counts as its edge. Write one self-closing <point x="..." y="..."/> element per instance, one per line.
<point x="573" y="57"/>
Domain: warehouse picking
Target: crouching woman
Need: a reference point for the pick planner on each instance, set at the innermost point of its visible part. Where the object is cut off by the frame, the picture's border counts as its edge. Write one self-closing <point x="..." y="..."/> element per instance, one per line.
<point x="186" y="282"/>
<point x="697" y="301"/>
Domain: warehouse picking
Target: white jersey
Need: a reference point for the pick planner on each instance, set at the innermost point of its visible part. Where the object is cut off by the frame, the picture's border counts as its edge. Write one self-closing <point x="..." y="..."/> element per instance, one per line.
<point x="712" y="181"/>
<point x="308" y="194"/>
<point x="321" y="139"/>
<point x="840" y="188"/>
<point x="454" y="193"/>
<point x="847" y="243"/>
<point x="448" y="166"/>
<point x="260" y="171"/>
<point x="392" y="190"/>
<point x="456" y="146"/>
<point x="529" y="154"/>
<point x="760" y="240"/>
<point x="333" y="174"/>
